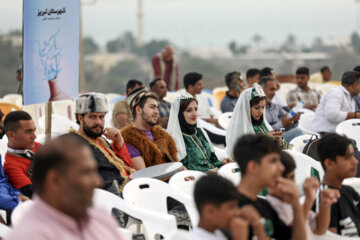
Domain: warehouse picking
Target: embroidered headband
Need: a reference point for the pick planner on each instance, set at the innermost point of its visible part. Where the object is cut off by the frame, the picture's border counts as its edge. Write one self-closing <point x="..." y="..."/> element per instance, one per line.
<point x="257" y="91"/>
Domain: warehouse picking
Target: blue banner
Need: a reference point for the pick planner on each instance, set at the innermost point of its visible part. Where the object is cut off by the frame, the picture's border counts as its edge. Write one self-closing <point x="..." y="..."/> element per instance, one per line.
<point x="50" y="50"/>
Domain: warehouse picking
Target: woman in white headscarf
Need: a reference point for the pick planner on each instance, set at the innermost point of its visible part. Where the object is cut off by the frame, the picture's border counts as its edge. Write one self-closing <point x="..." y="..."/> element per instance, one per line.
<point x="248" y="118"/>
<point x="194" y="147"/>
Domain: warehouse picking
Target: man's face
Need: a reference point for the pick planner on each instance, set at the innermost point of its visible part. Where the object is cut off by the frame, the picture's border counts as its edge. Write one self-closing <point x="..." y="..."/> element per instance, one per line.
<point x="355" y="89"/>
<point x="345" y="166"/>
<point x="92" y="124"/>
<point x="78" y="182"/>
<point x="198" y="87"/>
<point x="327" y="75"/>
<point x="270" y="169"/>
<point x="160" y="89"/>
<point x="150" y="112"/>
<point x="24" y="137"/>
<point x="302" y="80"/>
<point x="270" y="90"/>
<point x="168" y="54"/>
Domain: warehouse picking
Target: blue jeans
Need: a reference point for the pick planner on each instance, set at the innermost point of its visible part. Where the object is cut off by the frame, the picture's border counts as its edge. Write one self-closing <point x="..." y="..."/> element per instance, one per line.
<point x="291" y="134"/>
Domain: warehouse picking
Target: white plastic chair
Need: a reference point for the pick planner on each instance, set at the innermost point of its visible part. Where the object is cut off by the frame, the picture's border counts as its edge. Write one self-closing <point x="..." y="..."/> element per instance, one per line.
<point x="4" y="231"/>
<point x="224" y="120"/>
<point x="19" y="211"/>
<point x="3" y="150"/>
<point x="304" y="164"/>
<point x="330" y="235"/>
<point x="351" y="129"/>
<point x="153" y="223"/>
<point x="231" y="171"/>
<point x="300" y="142"/>
<point x="125" y="234"/>
<point x="12" y="97"/>
<point x="152" y="194"/>
<point x="220" y="153"/>
<point x="325" y="87"/>
<point x="285" y="88"/>
<point x="211" y="128"/>
<point x="184" y="181"/>
<point x="65" y="108"/>
<point x="59" y="124"/>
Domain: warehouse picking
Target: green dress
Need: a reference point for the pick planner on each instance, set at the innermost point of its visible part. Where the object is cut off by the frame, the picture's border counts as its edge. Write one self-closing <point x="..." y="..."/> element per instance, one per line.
<point x="262" y="129"/>
<point x="199" y="156"/>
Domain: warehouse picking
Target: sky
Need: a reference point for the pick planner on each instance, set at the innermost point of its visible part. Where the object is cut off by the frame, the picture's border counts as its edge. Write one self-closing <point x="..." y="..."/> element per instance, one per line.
<point x="211" y="23"/>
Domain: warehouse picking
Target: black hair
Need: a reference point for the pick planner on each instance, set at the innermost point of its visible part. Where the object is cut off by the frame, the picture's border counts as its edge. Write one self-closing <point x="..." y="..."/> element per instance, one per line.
<point x="324" y="69"/>
<point x="256" y="100"/>
<point x="253" y="147"/>
<point x="191" y="79"/>
<point x="252" y="72"/>
<point x="231" y="77"/>
<point x="266" y="72"/>
<point x="153" y="83"/>
<point x="357" y="69"/>
<point x="185" y="103"/>
<point x="332" y="145"/>
<point x="141" y="103"/>
<point x="132" y="83"/>
<point x="349" y="78"/>
<point x="288" y="162"/>
<point x="55" y="155"/>
<point x="303" y="71"/>
<point x="263" y="81"/>
<point x="213" y="189"/>
<point x="12" y="120"/>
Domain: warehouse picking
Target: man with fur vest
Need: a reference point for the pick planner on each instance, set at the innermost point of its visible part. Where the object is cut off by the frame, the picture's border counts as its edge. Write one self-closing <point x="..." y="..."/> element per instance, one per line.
<point x="147" y="143"/>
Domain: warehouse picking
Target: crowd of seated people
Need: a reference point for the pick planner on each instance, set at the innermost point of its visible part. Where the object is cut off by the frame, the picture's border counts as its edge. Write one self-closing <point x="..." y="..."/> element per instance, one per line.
<point x="60" y="176"/>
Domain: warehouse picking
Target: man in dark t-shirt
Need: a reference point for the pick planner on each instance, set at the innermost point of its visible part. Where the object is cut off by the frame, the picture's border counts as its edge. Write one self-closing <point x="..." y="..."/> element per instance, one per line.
<point x="336" y="154"/>
<point x="258" y="157"/>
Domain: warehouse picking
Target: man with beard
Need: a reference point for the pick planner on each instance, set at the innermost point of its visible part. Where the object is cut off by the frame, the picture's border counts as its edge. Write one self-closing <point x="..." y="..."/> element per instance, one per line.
<point x="148" y="144"/>
<point x="114" y="163"/>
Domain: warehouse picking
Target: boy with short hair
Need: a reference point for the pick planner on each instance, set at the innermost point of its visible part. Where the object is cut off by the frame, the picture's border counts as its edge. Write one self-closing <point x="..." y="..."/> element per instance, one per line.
<point x="337" y="158"/>
<point x="259" y="159"/>
<point x="317" y="224"/>
<point x="216" y="201"/>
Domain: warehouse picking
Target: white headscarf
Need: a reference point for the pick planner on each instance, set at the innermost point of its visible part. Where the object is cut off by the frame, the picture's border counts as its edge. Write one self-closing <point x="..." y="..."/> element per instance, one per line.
<point x="174" y="129"/>
<point x="240" y="123"/>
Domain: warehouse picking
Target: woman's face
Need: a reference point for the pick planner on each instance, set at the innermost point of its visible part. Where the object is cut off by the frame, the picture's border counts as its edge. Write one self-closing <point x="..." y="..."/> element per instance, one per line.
<point x="122" y="119"/>
<point x="258" y="110"/>
<point x="191" y="113"/>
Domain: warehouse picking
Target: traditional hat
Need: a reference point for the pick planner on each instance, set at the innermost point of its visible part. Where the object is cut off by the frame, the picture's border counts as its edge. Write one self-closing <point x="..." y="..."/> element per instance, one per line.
<point x="136" y="96"/>
<point x="91" y="102"/>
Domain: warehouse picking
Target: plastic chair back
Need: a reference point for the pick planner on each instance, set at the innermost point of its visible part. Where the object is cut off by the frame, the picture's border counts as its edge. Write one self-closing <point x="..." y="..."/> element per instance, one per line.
<point x="300" y="142"/>
<point x="3" y="150"/>
<point x="4" y="231"/>
<point x="152" y="194"/>
<point x="304" y="165"/>
<point x="224" y="120"/>
<point x="184" y="181"/>
<point x="154" y="223"/>
<point x="306" y="121"/>
<point x="231" y="171"/>
<point x="59" y="124"/>
<point x="351" y="129"/>
<point x="325" y="87"/>
<point x="12" y="98"/>
<point x="7" y="107"/>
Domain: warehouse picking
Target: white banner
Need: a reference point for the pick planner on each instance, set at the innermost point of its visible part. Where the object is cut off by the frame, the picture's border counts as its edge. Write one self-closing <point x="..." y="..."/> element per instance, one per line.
<point x="50" y="50"/>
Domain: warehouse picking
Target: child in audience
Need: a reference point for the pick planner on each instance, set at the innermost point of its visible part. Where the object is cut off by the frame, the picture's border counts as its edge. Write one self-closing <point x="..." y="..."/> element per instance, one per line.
<point x="216" y="201"/>
<point x="317" y="224"/>
<point x="337" y="157"/>
<point x="258" y="157"/>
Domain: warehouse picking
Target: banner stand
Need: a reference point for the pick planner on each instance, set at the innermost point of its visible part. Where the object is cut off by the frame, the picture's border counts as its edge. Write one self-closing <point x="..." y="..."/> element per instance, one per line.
<point x="48" y="113"/>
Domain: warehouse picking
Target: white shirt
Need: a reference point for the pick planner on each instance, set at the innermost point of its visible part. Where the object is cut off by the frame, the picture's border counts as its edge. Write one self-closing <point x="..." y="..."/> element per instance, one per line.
<point x="202" y="234"/>
<point x="277" y="99"/>
<point x="333" y="109"/>
<point x="204" y="110"/>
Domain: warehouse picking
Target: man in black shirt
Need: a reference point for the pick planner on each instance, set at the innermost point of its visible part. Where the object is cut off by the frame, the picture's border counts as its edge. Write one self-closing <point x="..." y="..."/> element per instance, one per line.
<point x="337" y="158"/>
<point x="258" y="157"/>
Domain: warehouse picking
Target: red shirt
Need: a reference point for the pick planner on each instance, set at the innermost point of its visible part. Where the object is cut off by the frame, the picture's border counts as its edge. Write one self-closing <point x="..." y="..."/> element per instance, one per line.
<point x="16" y="168"/>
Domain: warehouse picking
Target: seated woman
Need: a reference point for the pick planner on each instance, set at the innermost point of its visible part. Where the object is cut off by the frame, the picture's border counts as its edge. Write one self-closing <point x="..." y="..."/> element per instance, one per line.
<point x="248" y="118"/>
<point x="194" y="147"/>
<point x="121" y="115"/>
